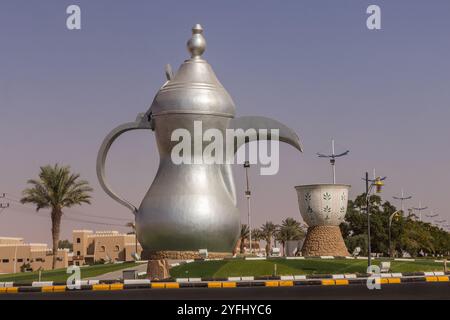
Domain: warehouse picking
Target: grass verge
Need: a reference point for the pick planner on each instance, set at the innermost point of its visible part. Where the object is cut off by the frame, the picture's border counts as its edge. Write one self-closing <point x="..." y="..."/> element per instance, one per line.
<point x="239" y="268"/>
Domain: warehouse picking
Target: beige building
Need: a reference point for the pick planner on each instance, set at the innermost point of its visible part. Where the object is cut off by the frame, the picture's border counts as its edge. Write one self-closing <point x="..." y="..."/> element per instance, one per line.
<point x="15" y="255"/>
<point x="108" y="246"/>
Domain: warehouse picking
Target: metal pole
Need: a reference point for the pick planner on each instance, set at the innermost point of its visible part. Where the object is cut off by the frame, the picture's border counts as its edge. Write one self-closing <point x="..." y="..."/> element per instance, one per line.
<point x="135" y="240"/>
<point x="390" y="250"/>
<point x="333" y="164"/>
<point x="247" y="195"/>
<point x="390" y="226"/>
<point x="401" y="201"/>
<point x="369" y="262"/>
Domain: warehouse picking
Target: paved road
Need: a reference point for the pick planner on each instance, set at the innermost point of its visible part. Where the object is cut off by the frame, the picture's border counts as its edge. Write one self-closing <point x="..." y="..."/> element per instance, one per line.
<point x="393" y="291"/>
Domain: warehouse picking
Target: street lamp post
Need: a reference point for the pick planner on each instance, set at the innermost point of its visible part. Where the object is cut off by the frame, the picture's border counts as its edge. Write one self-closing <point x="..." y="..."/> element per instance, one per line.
<point x="378" y="183"/>
<point x="390" y="224"/>
<point x="402" y="198"/>
<point x="369" y="250"/>
<point x="247" y="195"/>
<point x="420" y="209"/>
<point x="332" y="158"/>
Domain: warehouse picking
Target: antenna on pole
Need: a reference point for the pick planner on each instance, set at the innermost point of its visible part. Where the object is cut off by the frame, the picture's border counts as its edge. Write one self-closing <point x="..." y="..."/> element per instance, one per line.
<point x="420" y="209"/>
<point x="332" y="158"/>
<point x="402" y="198"/>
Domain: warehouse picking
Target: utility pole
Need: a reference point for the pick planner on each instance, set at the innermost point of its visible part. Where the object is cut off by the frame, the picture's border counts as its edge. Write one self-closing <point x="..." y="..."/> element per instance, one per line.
<point x="247" y="195"/>
<point x="332" y="158"/>
<point x="402" y="198"/>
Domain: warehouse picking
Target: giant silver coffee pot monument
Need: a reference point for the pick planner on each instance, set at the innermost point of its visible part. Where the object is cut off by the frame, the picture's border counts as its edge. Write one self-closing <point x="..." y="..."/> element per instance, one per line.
<point x="189" y="206"/>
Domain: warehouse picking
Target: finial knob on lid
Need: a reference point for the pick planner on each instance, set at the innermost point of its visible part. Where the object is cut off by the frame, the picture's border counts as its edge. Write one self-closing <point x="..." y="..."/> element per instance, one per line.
<point x="197" y="44"/>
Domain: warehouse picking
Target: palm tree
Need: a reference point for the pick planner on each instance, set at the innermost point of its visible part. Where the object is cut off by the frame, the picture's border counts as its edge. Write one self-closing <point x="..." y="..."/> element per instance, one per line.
<point x="256" y="237"/>
<point x="244" y="235"/>
<point x="268" y="231"/>
<point x="290" y="229"/>
<point x="57" y="188"/>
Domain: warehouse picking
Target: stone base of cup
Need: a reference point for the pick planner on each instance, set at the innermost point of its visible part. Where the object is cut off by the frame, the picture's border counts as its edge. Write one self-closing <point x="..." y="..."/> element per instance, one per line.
<point x="158" y="269"/>
<point x="182" y="255"/>
<point x="324" y="241"/>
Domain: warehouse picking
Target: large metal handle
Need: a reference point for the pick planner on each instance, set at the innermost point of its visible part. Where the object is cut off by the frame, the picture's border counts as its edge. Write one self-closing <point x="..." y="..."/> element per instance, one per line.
<point x="142" y="122"/>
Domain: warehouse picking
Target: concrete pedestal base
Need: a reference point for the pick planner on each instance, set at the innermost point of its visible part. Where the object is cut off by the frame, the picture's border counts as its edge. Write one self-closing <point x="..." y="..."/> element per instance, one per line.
<point x="181" y="255"/>
<point x="158" y="269"/>
<point x="324" y="241"/>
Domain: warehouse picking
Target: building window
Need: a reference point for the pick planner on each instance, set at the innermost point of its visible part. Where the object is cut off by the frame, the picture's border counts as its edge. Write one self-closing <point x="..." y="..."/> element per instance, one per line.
<point x="78" y="253"/>
<point x="102" y="249"/>
<point x="19" y="260"/>
<point x="116" y="248"/>
<point x="78" y="240"/>
<point x="5" y="260"/>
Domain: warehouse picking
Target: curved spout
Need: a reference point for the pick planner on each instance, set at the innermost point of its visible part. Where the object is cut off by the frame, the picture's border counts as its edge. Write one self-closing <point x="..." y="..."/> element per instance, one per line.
<point x="286" y="134"/>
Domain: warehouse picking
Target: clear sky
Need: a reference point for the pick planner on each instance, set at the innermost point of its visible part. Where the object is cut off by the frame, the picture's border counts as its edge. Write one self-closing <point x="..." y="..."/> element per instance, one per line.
<point x="311" y="64"/>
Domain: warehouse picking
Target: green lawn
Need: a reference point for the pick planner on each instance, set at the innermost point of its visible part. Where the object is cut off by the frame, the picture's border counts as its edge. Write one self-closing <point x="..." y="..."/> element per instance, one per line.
<point x="60" y="275"/>
<point x="230" y="268"/>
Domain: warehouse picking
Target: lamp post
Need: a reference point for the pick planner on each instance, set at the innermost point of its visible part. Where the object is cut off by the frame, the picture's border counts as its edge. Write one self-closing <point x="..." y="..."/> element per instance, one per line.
<point x="420" y="209"/>
<point x="247" y="195"/>
<point x="402" y="198"/>
<point x="378" y="183"/>
<point x="390" y="224"/>
<point x="332" y="158"/>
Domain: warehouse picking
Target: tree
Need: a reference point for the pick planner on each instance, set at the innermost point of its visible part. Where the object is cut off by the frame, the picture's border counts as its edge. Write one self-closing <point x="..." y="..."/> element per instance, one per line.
<point x="256" y="237"/>
<point x="65" y="244"/>
<point x="244" y="235"/>
<point x="407" y="233"/>
<point x="55" y="189"/>
<point x="290" y="229"/>
<point x="268" y="231"/>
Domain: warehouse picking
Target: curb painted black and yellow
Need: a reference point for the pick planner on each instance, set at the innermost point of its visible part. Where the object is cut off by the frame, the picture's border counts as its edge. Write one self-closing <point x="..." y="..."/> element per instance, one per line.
<point x="231" y="282"/>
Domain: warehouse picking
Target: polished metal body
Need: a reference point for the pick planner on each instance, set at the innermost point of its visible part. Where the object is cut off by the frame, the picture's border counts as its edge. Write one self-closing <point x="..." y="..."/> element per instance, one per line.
<point x="189" y="206"/>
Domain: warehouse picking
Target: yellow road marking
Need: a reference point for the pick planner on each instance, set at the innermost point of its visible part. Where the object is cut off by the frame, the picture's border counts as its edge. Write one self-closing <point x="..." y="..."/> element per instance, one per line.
<point x="431" y="279"/>
<point x="394" y="280"/>
<point x="341" y="282"/>
<point x="172" y="285"/>
<point x="229" y="284"/>
<point x="59" y="288"/>
<point x="443" y="279"/>
<point x="382" y="280"/>
<point x="214" y="284"/>
<point x="100" y="287"/>
<point x="328" y="282"/>
<point x="12" y="290"/>
<point x="158" y="285"/>
<point x="272" y="283"/>
<point x="47" y="289"/>
<point x="286" y="283"/>
<point x="116" y="286"/>
<point x="2" y="290"/>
